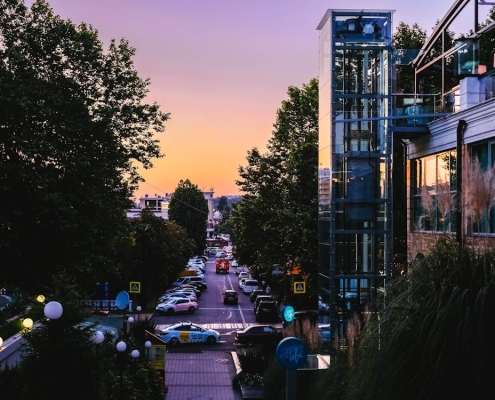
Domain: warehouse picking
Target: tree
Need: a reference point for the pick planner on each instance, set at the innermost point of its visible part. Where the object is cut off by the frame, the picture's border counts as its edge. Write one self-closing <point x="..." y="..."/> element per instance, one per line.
<point x="276" y="221"/>
<point x="189" y="209"/>
<point x="160" y="251"/>
<point x="407" y="41"/>
<point x="224" y="208"/>
<point x="60" y="355"/>
<point x="74" y="129"/>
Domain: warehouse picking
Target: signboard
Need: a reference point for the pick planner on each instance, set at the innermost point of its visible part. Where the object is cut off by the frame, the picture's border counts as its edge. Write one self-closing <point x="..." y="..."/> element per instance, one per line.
<point x="289" y="313"/>
<point x="299" y="287"/>
<point x="135" y="287"/>
<point x="291" y="353"/>
<point x="157" y="351"/>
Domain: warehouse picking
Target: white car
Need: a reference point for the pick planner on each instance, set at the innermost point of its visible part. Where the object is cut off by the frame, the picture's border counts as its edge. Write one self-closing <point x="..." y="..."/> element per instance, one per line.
<point x="177" y="305"/>
<point x="242" y="275"/>
<point x="234" y="264"/>
<point x="249" y="285"/>
<point x="241" y="283"/>
<point x="190" y="294"/>
<point x="187" y="332"/>
<point x="168" y="296"/>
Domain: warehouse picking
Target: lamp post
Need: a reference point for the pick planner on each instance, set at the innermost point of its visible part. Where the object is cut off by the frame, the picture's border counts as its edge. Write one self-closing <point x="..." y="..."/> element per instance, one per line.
<point x="147" y="344"/>
<point x="98" y="338"/>
<point x="138" y="309"/>
<point x="121" y="347"/>
<point x="135" y="355"/>
<point x="130" y="321"/>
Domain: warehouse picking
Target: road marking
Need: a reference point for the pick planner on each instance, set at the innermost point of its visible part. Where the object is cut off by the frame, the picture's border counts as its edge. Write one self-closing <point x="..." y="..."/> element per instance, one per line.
<point x="238" y="306"/>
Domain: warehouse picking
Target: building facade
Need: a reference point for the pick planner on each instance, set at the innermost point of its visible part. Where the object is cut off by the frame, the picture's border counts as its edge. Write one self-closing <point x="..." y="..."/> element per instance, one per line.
<point x="355" y="147"/>
<point x="447" y="133"/>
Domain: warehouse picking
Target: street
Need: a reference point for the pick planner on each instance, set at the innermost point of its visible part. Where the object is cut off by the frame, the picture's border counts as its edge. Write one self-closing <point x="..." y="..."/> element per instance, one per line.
<point x="212" y="313"/>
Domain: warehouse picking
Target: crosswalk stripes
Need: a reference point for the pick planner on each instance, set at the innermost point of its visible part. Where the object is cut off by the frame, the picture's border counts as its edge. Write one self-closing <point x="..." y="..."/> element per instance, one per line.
<point x="222" y="326"/>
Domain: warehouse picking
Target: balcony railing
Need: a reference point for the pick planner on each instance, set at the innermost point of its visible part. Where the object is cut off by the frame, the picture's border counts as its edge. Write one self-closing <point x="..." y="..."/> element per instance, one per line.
<point x="412" y="109"/>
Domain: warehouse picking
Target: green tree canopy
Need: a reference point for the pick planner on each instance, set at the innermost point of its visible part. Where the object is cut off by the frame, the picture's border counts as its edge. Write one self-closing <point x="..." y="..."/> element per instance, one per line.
<point x="74" y="129"/>
<point x="161" y="249"/>
<point x="189" y="209"/>
<point x="276" y="221"/>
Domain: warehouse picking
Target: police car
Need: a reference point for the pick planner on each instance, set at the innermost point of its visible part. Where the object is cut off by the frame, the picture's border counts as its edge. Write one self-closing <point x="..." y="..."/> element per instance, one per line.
<point x="187" y="332"/>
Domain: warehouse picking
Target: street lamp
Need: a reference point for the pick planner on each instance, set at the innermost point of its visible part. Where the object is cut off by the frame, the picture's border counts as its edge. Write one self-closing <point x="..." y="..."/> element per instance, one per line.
<point x="40" y="298"/>
<point x="27" y="323"/>
<point x="121" y="347"/>
<point x="138" y="309"/>
<point x="1" y="343"/>
<point x="98" y="338"/>
<point x="135" y="355"/>
<point x="53" y="310"/>
<point x="147" y="344"/>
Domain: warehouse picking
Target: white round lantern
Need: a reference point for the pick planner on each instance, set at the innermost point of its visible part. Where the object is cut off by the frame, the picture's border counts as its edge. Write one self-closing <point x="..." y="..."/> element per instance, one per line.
<point x="53" y="310"/>
<point x="98" y="337"/>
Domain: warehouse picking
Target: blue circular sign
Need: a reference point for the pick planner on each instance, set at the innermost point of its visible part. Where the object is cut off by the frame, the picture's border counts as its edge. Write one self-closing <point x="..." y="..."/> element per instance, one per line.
<point x="122" y="300"/>
<point x="291" y="353"/>
<point x="289" y="313"/>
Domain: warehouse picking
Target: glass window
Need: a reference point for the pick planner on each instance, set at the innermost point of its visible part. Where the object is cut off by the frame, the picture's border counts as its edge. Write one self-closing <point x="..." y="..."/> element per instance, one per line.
<point x="482" y="220"/>
<point x="433" y="192"/>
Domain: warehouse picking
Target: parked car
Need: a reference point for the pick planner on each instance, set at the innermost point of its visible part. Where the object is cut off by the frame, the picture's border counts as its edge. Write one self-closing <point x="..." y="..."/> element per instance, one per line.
<point x="262" y="297"/>
<point x="229" y="257"/>
<point x="230" y="297"/>
<point x="187" y="332"/>
<point x="187" y="279"/>
<point x="238" y="270"/>
<point x="196" y="289"/>
<point x="267" y="310"/>
<point x="250" y="285"/>
<point x="187" y="292"/>
<point x="255" y="293"/>
<point x="168" y="296"/>
<point x="243" y="274"/>
<point x="241" y="283"/>
<point x="258" y="334"/>
<point x="220" y="254"/>
<point x="234" y="264"/>
<point x="177" y="305"/>
<point x="199" y="285"/>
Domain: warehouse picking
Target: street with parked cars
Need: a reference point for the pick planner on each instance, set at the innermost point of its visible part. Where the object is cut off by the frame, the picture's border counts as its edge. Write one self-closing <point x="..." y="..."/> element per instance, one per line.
<point x="196" y="305"/>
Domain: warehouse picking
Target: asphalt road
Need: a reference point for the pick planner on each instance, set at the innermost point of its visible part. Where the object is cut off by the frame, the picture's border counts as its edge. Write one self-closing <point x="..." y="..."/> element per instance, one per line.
<point x="212" y="313"/>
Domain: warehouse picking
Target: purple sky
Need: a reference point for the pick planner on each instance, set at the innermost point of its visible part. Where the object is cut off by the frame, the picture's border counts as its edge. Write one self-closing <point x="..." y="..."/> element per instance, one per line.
<point x="222" y="69"/>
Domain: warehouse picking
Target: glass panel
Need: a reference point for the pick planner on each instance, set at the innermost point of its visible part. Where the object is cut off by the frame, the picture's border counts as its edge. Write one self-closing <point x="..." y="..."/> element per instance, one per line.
<point x="429" y="178"/>
<point x="360" y="71"/>
<point x="359" y="28"/>
<point x="453" y="170"/>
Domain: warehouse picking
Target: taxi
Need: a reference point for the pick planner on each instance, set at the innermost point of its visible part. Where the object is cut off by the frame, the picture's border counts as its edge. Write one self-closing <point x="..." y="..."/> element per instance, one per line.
<point x="187" y="332"/>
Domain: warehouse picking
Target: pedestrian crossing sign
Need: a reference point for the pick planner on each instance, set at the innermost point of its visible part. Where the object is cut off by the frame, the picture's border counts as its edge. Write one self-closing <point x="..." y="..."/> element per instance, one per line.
<point x="135" y="287"/>
<point x="299" y="287"/>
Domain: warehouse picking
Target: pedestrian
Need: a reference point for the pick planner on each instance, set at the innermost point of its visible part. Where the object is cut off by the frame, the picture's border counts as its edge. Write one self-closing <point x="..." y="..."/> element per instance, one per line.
<point x="263" y="284"/>
<point x="268" y="289"/>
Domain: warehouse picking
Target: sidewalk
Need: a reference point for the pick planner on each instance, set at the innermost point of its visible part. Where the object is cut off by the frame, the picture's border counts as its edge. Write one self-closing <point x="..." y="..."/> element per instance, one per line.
<point x="200" y="376"/>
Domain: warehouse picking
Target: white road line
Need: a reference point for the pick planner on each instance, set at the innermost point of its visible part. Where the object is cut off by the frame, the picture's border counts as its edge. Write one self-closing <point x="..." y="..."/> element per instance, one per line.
<point x="238" y="306"/>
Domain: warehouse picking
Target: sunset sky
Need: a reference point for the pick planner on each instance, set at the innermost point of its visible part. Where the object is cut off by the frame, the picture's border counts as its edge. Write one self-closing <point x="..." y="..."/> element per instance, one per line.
<point x="221" y="68"/>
